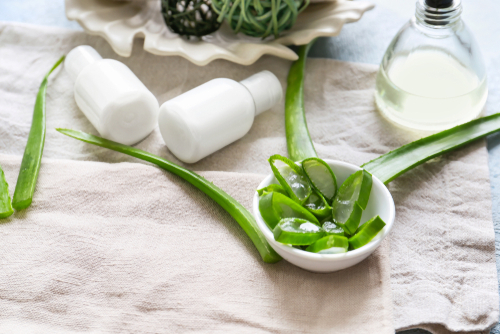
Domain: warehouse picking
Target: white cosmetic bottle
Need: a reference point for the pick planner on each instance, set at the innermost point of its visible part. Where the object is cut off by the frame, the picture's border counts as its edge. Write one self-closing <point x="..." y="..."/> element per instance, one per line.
<point x="114" y="100"/>
<point x="215" y="114"/>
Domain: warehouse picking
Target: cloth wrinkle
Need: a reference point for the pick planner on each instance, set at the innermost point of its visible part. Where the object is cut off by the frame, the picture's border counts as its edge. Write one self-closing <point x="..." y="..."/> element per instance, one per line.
<point x="112" y="244"/>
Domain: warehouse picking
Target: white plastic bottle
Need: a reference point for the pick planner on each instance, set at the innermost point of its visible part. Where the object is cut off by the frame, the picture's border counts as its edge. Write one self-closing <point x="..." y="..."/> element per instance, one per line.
<point x="114" y="100"/>
<point x="215" y="114"/>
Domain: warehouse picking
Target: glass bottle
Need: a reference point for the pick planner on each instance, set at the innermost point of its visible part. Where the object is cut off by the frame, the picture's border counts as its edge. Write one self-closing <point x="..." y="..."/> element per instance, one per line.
<point x="432" y="76"/>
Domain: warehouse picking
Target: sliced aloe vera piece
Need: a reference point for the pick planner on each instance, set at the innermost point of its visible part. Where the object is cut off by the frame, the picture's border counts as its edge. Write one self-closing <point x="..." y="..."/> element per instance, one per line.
<point x="321" y="177"/>
<point x="351" y="200"/>
<point x="6" y="209"/>
<point x="366" y="232"/>
<point x="291" y="177"/>
<point x="318" y="205"/>
<point x="275" y="206"/>
<point x="327" y="219"/>
<point x="353" y="220"/>
<point x="331" y="244"/>
<point x="267" y="211"/>
<point x="297" y="232"/>
<point x="272" y="187"/>
<point x="331" y="228"/>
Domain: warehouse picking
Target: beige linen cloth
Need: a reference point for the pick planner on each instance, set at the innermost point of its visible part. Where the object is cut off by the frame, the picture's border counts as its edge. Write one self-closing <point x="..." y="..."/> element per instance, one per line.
<point x="129" y="248"/>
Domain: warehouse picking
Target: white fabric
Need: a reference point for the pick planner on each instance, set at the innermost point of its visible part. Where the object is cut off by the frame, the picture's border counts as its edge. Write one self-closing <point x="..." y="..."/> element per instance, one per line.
<point x="442" y="254"/>
<point x="129" y="248"/>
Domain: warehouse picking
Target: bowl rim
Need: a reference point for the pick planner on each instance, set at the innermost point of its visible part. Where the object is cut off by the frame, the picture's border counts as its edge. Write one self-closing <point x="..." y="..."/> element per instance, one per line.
<point x="368" y="248"/>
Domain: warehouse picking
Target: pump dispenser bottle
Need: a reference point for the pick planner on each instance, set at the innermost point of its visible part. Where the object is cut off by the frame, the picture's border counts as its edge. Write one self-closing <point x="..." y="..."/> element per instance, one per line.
<point x="215" y="114"/>
<point x="114" y="100"/>
<point x="432" y="76"/>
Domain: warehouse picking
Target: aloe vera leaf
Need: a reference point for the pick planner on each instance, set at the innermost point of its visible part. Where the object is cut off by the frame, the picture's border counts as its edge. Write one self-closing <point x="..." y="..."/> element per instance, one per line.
<point x="366" y="232"/>
<point x="321" y="177"/>
<point x="291" y="177"/>
<point x="272" y="187"/>
<point x="297" y="232"/>
<point x="331" y="228"/>
<point x="391" y="165"/>
<point x="331" y="244"/>
<point x="351" y="200"/>
<point x="298" y="140"/>
<point x="275" y="206"/>
<point x="233" y="207"/>
<point x="5" y="205"/>
<point x="318" y="205"/>
<point x="32" y="158"/>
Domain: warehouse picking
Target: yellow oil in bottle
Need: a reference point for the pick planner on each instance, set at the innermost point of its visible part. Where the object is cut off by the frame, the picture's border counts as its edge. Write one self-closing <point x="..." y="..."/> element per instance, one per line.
<point x="429" y="90"/>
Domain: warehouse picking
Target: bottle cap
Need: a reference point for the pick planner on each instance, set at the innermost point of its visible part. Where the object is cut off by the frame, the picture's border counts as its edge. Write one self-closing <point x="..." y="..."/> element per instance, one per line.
<point x="79" y="58"/>
<point x="266" y="90"/>
<point x="439" y="3"/>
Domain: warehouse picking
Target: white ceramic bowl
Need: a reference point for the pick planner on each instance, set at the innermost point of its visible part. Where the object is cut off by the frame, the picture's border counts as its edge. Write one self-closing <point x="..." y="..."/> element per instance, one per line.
<point x="380" y="203"/>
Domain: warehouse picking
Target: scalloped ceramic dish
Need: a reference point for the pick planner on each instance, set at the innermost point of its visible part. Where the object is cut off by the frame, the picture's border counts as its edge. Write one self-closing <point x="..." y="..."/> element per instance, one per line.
<point x="120" y="22"/>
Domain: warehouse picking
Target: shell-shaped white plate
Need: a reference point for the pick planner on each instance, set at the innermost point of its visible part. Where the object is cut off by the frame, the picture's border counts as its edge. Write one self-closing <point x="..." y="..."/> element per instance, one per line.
<point x="119" y="22"/>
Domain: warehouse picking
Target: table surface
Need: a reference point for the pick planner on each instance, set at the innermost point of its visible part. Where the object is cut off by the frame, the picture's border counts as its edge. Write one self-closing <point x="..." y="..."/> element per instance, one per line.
<point x="364" y="41"/>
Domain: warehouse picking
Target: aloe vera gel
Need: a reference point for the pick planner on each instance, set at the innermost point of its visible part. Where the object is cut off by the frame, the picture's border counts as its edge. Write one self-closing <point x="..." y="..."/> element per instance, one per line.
<point x="306" y="210"/>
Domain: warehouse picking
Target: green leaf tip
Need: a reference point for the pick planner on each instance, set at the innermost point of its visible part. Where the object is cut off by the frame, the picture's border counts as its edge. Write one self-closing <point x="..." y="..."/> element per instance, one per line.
<point x="32" y="157"/>
<point x="6" y="209"/>
<point x="391" y="165"/>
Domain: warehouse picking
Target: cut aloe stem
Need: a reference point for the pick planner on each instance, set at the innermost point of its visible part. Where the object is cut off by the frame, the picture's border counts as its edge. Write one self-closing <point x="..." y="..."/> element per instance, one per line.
<point x="351" y="200"/>
<point x="5" y="204"/>
<point x="366" y="232"/>
<point x="390" y="165"/>
<point x="272" y="188"/>
<point x="275" y="206"/>
<point x="298" y="140"/>
<point x="232" y="206"/>
<point x="291" y="177"/>
<point x="32" y="158"/>
<point x="297" y="232"/>
<point x="318" y="205"/>
<point x="331" y="244"/>
<point x="321" y="177"/>
<point x="331" y="228"/>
